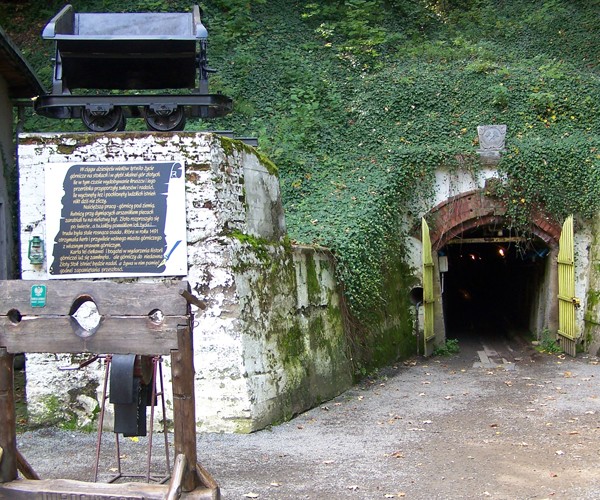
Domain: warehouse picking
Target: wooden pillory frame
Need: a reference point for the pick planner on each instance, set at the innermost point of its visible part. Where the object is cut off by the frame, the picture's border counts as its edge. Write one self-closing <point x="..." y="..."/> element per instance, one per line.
<point x="149" y="319"/>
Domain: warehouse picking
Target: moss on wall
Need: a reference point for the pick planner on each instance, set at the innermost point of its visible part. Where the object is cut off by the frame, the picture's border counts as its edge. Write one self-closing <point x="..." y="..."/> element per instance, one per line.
<point x="231" y="145"/>
<point x="303" y="349"/>
<point x="312" y="281"/>
<point x="389" y="334"/>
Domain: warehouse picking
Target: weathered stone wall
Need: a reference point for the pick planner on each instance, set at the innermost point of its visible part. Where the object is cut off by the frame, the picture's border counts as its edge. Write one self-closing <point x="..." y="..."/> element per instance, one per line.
<point x="271" y="342"/>
<point x="591" y="307"/>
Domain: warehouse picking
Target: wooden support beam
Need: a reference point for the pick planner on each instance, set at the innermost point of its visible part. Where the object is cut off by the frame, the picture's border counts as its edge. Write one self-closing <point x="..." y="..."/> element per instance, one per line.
<point x="184" y="407"/>
<point x="25" y="468"/>
<point x="493" y="239"/>
<point x="8" y="425"/>
<point x="175" y="485"/>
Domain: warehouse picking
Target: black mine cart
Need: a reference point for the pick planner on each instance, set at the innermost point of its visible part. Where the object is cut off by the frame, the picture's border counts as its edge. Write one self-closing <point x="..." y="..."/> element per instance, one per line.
<point x="123" y="54"/>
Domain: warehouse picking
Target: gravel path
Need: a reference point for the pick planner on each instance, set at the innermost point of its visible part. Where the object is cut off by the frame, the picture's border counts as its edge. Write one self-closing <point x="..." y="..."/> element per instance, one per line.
<point x="438" y="428"/>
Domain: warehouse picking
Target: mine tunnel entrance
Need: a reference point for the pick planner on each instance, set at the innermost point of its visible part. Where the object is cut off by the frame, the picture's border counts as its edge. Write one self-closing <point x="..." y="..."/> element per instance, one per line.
<point x="493" y="284"/>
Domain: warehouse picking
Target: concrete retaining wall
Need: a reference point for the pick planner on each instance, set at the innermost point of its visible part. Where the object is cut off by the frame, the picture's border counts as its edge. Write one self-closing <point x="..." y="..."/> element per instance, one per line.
<point x="271" y="342"/>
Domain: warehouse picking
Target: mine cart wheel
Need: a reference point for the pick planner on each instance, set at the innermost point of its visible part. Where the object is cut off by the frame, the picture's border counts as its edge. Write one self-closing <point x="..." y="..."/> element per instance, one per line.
<point x="165" y="121"/>
<point x="103" y="121"/>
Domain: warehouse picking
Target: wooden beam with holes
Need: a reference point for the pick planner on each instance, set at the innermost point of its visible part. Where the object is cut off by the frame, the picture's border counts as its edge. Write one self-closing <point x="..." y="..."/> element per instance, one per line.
<point x="149" y="313"/>
<point x="125" y="318"/>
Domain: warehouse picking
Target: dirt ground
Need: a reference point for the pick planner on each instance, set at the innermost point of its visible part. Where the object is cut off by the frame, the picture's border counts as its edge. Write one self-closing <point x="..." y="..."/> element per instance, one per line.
<point x="499" y="421"/>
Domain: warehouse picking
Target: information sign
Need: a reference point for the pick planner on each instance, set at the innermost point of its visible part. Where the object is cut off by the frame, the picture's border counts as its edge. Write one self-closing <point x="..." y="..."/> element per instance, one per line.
<point x="119" y="219"/>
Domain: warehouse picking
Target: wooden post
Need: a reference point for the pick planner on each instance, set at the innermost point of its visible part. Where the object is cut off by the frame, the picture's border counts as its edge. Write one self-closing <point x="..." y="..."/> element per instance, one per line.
<point x="8" y="430"/>
<point x="184" y="406"/>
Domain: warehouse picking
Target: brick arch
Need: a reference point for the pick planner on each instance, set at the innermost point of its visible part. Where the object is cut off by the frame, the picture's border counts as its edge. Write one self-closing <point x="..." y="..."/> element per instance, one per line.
<point x="475" y="209"/>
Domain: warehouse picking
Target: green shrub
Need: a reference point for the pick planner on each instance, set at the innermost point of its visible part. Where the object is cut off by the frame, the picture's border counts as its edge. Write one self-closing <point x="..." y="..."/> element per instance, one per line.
<point x="448" y="348"/>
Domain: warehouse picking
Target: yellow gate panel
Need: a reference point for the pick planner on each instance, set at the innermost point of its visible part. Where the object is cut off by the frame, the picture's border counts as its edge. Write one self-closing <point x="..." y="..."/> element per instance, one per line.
<point x="428" y="301"/>
<point x="567" y="302"/>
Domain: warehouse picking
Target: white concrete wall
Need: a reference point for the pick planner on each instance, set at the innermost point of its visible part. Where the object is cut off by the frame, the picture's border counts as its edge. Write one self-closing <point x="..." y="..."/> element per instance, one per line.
<point x="591" y="307"/>
<point x="449" y="183"/>
<point x="583" y="240"/>
<point x="238" y="263"/>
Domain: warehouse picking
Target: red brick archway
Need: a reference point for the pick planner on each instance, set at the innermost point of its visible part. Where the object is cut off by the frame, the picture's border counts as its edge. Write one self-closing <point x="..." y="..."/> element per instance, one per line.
<point x="475" y="209"/>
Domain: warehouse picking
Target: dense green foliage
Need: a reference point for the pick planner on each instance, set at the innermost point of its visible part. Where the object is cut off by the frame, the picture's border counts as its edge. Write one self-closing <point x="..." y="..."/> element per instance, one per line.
<point x="358" y="101"/>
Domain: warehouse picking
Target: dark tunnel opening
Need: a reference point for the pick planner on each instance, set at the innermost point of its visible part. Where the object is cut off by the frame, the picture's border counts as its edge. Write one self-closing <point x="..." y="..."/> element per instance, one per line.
<point x="492" y="283"/>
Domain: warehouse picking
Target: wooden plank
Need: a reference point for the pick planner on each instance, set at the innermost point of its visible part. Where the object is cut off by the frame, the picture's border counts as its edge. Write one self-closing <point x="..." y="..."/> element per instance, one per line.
<point x="115" y="335"/>
<point x="8" y="431"/>
<point x="63" y="488"/>
<point x="24" y="489"/>
<point x="111" y="298"/>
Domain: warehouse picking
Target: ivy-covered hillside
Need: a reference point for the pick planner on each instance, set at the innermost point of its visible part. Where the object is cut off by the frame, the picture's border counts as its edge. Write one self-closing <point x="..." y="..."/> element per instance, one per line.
<point x="358" y="101"/>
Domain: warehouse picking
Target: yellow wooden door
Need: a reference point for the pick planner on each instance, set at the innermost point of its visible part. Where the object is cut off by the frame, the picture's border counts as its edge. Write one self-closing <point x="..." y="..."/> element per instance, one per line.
<point x="428" y="311"/>
<point x="567" y="302"/>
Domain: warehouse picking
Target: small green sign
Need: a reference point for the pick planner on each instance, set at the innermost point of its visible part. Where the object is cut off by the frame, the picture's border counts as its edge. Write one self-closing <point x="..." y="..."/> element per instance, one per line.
<point x="38" y="295"/>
